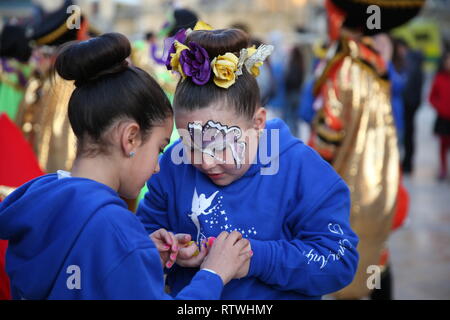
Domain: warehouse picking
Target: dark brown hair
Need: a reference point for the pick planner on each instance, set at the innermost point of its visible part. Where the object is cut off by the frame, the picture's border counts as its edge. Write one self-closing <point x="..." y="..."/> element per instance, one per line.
<point x="243" y="95"/>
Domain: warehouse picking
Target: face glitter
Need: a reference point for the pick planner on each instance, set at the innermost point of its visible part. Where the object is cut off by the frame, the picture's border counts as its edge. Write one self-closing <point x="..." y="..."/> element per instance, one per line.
<point x="214" y="137"/>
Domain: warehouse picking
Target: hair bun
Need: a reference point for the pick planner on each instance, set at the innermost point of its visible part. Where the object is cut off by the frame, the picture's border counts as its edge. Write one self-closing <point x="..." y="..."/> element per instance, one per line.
<point x="219" y="42"/>
<point x="89" y="60"/>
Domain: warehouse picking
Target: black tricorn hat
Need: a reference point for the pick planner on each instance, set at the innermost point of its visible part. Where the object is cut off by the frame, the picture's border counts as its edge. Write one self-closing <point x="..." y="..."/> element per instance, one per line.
<point x="14" y="43"/>
<point x="184" y="19"/>
<point x="393" y="13"/>
<point x="52" y="28"/>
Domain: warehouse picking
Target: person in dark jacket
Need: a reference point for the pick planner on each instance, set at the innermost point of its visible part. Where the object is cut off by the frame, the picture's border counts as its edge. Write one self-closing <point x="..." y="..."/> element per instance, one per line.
<point x="412" y="98"/>
<point x="293" y="83"/>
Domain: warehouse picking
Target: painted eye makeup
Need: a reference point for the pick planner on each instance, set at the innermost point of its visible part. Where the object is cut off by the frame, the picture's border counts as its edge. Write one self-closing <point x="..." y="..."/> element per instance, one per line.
<point x="214" y="137"/>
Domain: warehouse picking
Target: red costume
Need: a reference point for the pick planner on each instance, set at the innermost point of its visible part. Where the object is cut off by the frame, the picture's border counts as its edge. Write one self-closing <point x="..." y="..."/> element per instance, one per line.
<point x="18" y="164"/>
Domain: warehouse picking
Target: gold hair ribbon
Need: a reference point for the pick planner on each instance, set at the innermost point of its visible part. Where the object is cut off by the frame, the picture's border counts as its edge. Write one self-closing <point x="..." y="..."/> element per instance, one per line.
<point x="202" y="25"/>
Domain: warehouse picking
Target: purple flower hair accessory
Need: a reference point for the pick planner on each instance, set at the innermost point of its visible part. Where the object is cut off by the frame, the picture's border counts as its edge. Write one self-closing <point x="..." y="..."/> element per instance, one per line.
<point x="195" y="63"/>
<point x="169" y="46"/>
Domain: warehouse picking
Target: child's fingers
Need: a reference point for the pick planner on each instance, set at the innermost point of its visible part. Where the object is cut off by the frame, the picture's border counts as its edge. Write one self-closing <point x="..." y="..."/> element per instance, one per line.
<point x="234" y="237"/>
<point x="166" y="237"/>
<point x="204" y="248"/>
<point x="172" y="258"/>
<point x="159" y="239"/>
<point x="222" y="236"/>
<point x="167" y="242"/>
<point x="197" y="260"/>
<point x="162" y="247"/>
<point x="245" y="256"/>
<point x="174" y="242"/>
<point x="246" y="249"/>
<point x="161" y="235"/>
<point x="194" y="260"/>
<point x="187" y="252"/>
<point x="241" y="244"/>
<point x="183" y="238"/>
<point x="170" y="238"/>
<point x="169" y="264"/>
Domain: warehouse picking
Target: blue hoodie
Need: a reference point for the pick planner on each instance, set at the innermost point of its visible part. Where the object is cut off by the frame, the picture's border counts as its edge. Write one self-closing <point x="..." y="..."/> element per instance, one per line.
<point x="297" y="220"/>
<point x="398" y="82"/>
<point x="74" y="238"/>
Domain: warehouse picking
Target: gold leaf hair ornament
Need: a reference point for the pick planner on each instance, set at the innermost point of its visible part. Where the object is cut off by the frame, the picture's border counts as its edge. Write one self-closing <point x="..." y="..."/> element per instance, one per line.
<point x="253" y="59"/>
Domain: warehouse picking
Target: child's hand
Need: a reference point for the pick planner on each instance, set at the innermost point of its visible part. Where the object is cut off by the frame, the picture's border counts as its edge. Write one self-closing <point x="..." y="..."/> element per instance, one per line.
<point x="167" y="245"/>
<point x="225" y="257"/>
<point x="190" y="256"/>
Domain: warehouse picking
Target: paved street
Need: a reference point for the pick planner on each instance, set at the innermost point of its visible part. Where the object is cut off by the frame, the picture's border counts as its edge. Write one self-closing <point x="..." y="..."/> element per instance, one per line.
<point x="420" y="251"/>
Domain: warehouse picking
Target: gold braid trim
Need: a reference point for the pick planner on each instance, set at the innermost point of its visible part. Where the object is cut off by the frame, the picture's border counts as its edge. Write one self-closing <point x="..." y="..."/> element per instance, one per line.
<point x="324" y="132"/>
<point x="345" y="51"/>
<point x="329" y="135"/>
<point x="58" y="32"/>
<point x="340" y="55"/>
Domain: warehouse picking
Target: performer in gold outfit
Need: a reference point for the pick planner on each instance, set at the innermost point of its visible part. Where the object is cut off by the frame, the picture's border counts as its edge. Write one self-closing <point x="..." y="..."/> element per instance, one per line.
<point x="354" y="128"/>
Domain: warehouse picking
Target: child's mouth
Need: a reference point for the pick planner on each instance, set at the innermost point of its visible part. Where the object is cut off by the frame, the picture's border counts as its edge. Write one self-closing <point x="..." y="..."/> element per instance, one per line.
<point x="215" y="176"/>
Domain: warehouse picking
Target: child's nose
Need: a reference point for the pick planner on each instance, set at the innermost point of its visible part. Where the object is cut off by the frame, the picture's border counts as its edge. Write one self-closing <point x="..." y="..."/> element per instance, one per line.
<point x="208" y="162"/>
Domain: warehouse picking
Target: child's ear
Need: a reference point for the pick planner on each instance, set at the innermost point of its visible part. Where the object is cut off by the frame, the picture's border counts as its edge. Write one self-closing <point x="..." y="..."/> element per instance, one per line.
<point x="131" y="138"/>
<point x="259" y="119"/>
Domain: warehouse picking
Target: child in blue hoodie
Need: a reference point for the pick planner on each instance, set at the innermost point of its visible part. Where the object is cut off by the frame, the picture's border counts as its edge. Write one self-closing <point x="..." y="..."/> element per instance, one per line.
<point x="70" y="234"/>
<point x="232" y="170"/>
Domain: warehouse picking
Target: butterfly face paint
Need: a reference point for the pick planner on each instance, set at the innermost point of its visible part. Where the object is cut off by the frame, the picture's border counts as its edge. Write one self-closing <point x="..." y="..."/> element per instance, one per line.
<point x="213" y="139"/>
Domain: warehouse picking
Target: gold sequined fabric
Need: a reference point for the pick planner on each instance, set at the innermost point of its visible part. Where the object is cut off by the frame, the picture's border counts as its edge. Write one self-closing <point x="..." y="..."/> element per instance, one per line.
<point x="44" y="121"/>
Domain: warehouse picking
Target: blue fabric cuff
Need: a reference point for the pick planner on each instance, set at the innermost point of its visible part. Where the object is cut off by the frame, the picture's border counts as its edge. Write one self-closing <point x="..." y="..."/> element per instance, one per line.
<point x="258" y="262"/>
<point x="214" y="281"/>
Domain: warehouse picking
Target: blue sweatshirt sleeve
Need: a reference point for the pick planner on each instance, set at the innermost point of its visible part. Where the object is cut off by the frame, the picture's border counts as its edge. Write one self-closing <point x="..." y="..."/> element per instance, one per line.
<point x="321" y="257"/>
<point x="139" y="276"/>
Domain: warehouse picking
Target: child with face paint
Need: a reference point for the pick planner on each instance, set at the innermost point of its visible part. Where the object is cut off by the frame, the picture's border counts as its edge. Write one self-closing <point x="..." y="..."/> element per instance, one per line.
<point x="233" y="170"/>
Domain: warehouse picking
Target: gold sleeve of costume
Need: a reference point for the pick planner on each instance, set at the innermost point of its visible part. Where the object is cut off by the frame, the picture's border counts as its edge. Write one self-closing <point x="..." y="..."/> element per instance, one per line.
<point x="44" y="121"/>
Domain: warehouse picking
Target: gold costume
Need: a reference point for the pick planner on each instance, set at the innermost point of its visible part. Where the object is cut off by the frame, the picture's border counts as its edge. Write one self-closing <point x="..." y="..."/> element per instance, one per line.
<point x="42" y="115"/>
<point x="354" y="130"/>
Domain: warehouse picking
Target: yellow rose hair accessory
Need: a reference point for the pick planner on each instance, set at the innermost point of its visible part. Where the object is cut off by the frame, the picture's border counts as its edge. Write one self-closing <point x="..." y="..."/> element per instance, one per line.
<point x="224" y="69"/>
